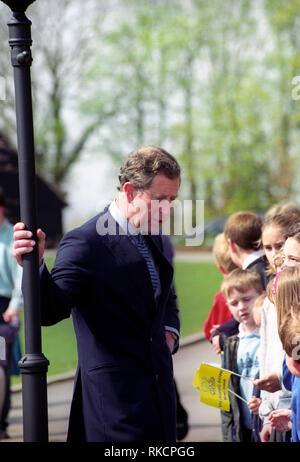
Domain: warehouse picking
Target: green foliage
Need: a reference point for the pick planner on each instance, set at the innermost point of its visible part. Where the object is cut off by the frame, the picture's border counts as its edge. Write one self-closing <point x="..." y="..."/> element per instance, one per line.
<point x="209" y="81"/>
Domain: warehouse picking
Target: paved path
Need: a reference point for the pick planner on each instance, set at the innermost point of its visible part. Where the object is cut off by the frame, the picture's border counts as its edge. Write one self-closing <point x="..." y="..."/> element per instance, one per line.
<point x="190" y="256"/>
<point x="204" y="420"/>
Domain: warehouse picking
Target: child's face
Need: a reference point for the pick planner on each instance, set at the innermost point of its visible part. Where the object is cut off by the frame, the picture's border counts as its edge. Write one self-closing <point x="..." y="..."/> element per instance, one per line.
<point x="241" y="305"/>
<point x="293" y="366"/>
<point x="291" y="252"/>
<point x="273" y="242"/>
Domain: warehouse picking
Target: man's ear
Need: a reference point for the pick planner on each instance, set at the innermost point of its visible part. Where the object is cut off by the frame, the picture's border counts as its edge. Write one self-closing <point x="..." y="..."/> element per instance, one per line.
<point x="129" y="190"/>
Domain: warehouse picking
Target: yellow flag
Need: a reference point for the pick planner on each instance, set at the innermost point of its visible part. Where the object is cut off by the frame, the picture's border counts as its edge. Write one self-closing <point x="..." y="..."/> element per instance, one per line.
<point x="212" y="382"/>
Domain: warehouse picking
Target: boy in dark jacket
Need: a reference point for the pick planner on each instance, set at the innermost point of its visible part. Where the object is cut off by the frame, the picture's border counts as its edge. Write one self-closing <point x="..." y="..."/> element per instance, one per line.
<point x="241" y="288"/>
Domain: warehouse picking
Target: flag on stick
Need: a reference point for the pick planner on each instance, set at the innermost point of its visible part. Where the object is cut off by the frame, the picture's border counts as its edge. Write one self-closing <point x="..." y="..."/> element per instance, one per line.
<point x="212" y="382"/>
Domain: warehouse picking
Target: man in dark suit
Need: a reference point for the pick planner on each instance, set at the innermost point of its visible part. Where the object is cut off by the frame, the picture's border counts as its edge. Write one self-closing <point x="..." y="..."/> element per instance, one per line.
<point x="112" y="276"/>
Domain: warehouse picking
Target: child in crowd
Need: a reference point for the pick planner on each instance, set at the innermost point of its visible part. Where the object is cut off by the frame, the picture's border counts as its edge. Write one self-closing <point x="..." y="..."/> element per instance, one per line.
<point x="287" y="302"/>
<point x="271" y="352"/>
<point x="243" y="233"/>
<point x="241" y="288"/>
<point x="282" y="207"/>
<point x="255" y="402"/>
<point x="219" y="312"/>
<point x="273" y="237"/>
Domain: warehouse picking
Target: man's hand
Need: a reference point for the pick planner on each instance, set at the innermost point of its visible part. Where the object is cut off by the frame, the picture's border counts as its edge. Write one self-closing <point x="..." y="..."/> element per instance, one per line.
<point x="266" y="433"/>
<point x="281" y="419"/>
<point x="24" y="242"/>
<point x="170" y="340"/>
<point x="268" y="383"/>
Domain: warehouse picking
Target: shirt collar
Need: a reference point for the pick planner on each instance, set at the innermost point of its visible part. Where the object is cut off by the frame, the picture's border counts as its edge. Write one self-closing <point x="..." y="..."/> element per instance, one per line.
<point x="243" y="334"/>
<point x="122" y="221"/>
<point x="252" y="257"/>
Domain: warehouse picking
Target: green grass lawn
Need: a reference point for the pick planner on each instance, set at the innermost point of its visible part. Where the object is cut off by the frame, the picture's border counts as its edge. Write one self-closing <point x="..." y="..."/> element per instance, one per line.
<point x="196" y="285"/>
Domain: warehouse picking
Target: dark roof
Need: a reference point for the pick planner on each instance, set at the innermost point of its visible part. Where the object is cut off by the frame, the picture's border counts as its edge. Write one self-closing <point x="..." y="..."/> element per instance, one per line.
<point x="50" y="201"/>
<point x="9" y="164"/>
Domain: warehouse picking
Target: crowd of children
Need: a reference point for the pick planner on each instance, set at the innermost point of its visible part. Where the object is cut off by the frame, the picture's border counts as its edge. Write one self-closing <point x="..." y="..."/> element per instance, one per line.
<point x="254" y="324"/>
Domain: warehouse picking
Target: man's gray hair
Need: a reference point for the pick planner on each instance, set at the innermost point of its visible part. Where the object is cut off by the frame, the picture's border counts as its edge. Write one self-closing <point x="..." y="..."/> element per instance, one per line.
<point x="144" y="164"/>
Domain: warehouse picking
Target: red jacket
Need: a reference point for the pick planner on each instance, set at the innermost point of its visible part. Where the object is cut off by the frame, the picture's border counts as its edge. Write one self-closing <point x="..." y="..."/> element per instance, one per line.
<point x="219" y="314"/>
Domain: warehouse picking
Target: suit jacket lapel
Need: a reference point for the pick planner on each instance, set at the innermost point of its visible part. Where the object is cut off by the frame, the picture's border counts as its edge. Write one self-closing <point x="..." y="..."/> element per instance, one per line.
<point x="136" y="283"/>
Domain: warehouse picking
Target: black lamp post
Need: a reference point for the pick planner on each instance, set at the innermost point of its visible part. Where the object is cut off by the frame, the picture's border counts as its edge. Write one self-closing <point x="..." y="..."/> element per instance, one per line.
<point x="33" y="365"/>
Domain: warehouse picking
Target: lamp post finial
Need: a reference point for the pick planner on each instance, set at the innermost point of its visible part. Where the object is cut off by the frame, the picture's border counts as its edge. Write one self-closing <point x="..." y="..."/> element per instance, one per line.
<point x="18" y="5"/>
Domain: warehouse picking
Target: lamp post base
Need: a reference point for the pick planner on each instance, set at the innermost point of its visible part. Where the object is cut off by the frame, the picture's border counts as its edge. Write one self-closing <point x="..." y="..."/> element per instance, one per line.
<point x="33" y="368"/>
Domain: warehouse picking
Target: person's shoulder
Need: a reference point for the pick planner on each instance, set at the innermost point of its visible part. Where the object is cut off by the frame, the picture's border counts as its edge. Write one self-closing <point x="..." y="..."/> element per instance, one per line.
<point x="8" y="226"/>
<point x="79" y="243"/>
<point x="7" y="230"/>
<point x="81" y="238"/>
<point x="219" y="297"/>
<point x="268" y="306"/>
<point x="259" y="263"/>
<point x="88" y="229"/>
<point x="6" y="235"/>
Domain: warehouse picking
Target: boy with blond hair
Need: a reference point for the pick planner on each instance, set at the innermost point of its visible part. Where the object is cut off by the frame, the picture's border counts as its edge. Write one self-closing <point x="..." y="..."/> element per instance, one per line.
<point x="241" y="288"/>
<point x="219" y="312"/>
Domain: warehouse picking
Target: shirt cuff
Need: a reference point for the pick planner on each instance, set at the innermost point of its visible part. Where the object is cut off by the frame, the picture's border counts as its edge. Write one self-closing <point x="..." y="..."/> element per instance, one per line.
<point x="172" y="329"/>
<point x="176" y="337"/>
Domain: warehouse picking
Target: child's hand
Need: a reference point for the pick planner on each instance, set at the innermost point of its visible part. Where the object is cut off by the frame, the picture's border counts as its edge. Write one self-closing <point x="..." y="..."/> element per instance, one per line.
<point x="254" y="404"/>
<point x="281" y="419"/>
<point x="265" y="433"/>
<point x="216" y="344"/>
<point x="268" y="383"/>
<point x="214" y="327"/>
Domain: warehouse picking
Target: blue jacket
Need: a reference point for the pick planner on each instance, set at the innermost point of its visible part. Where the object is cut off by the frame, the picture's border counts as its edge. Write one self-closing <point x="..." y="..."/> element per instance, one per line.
<point x="124" y="389"/>
<point x="292" y="383"/>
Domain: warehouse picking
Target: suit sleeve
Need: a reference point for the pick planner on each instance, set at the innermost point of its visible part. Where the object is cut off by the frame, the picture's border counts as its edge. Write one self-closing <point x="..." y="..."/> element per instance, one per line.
<point x="172" y="322"/>
<point x="68" y="283"/>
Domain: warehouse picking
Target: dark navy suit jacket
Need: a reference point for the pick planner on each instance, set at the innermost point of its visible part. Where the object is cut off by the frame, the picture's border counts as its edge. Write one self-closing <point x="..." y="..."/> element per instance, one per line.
<point x="124" y="388"/>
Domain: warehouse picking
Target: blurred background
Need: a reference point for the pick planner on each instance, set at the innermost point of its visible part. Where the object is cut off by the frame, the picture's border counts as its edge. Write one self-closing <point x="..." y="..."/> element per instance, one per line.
<point x="213" y="82"/>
